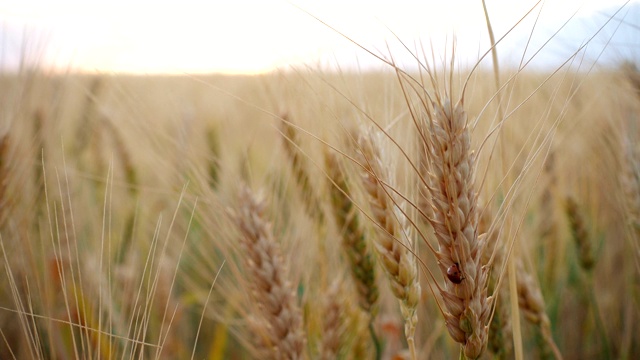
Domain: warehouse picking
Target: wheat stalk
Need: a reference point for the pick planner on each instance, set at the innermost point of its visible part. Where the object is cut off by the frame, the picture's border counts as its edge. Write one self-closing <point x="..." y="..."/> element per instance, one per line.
<point x="273" y="295"/>
<point x="393" y="246"/>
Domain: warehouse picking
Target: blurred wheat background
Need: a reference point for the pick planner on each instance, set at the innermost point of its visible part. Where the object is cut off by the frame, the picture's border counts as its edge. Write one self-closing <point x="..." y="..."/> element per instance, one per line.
<point x="242" y="216"/>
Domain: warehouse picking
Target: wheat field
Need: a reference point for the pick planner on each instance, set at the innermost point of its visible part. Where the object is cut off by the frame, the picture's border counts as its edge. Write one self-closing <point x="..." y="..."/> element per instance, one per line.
<point x="308" y="214"/>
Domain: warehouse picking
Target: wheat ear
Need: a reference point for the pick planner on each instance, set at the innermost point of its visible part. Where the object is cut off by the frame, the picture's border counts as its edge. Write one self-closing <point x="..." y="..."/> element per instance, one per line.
<point x="530" y="299"/>
<point x="271" y="292"/>
<point x="4" y="171"/>
<point x="455" y="223"/>
<point x="631" y="186"/>
<point x="353" y="238"/>
<point x="531" y="303"/>
<point x="334" y="324"/>
<point x="393" y="246"/>
<point x="499" y="342"/>
<point x="580" y="234"/>
<point x="291" y="145"/>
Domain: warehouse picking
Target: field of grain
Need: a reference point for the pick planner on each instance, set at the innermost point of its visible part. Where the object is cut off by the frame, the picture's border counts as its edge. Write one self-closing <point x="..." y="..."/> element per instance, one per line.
<point x="278" y="215"/>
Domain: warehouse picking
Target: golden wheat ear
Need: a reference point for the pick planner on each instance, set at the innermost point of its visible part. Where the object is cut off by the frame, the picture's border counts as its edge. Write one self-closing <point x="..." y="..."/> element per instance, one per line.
<point x="392" y="243"/>
<point x="336" y="320"/>
<point x="453" y="197"/>
<point x="279" y="322"/>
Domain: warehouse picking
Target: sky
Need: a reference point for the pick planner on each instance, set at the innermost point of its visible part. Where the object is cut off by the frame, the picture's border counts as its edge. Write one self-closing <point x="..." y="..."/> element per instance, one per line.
<point x="258" y="36"/>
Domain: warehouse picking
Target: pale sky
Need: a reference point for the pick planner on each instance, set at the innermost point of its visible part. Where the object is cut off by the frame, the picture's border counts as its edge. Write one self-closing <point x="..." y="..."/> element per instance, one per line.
<point x="258" y="36"/>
